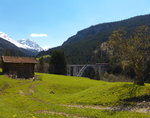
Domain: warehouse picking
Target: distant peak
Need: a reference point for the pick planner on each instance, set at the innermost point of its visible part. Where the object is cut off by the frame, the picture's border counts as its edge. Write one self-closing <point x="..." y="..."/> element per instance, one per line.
<point x="31" y="44"/>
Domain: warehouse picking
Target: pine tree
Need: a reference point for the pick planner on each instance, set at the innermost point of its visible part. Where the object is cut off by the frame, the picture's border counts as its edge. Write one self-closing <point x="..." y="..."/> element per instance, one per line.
<point x="41" y="65"/>
<point x="58" y="63"/>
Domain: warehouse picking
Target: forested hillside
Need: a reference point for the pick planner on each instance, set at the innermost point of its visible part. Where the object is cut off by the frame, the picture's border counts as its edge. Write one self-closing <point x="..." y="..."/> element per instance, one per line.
<point x="84" y="47"/>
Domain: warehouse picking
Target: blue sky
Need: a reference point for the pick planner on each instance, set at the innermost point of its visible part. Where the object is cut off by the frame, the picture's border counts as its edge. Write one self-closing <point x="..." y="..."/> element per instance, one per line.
<point x="51" y="22"/>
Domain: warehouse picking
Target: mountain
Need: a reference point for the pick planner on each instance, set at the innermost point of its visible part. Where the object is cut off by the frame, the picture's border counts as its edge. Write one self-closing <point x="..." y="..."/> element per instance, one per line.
<point x="7" y="44"/>
<point x="7" y="38"/>
<point x="106" y="28"/>
<point x="7" y="48"/>
<point x="31" y="44"/>
<point x="84" y="47"/>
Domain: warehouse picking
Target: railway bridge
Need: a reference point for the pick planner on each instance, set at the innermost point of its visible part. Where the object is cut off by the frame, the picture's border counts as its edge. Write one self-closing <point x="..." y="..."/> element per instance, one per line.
<point x="78" y="70"/>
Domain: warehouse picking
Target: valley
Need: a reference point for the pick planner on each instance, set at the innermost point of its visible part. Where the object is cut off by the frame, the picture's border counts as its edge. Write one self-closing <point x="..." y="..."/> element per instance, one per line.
<point x="75" y="59"/>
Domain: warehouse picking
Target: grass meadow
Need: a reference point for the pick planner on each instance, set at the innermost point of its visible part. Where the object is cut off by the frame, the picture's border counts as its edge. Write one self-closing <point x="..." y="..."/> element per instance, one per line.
<point x="56" y="96"/>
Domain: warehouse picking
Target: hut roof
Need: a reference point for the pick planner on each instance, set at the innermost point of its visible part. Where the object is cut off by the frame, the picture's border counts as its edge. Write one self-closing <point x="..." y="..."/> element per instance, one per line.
<point x="11" y="59"/>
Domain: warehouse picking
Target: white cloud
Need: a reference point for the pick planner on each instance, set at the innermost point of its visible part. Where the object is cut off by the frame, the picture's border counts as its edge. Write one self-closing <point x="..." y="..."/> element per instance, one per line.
<point x="46" y="47"/>
<point x="38" y="35"/>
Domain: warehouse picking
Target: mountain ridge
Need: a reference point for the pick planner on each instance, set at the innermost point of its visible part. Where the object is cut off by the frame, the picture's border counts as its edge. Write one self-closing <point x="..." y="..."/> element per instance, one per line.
<point x="95" y="29"/>
<point x="8" y="38"/>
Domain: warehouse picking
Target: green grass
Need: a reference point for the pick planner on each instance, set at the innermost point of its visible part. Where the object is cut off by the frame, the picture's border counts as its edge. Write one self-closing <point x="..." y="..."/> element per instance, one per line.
<point x="29" y="99"/>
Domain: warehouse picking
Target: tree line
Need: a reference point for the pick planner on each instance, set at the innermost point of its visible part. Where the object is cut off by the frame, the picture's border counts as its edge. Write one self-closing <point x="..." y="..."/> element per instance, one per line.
<point x="53" y="64"/>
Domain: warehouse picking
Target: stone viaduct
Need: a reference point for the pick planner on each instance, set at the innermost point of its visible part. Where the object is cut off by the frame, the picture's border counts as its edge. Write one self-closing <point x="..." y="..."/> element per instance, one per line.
<point x="78" y="70"/>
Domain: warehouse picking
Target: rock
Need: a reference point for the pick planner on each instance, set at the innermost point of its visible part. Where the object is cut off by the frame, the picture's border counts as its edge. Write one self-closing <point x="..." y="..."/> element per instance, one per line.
<point x="52" y="92"/>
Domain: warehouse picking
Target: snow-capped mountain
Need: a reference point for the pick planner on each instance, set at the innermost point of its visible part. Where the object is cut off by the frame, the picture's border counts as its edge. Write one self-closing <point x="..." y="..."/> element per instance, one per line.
<point x="31" y="44"/>
<point x="7" y="38"/>
<point x="6" y="42"/>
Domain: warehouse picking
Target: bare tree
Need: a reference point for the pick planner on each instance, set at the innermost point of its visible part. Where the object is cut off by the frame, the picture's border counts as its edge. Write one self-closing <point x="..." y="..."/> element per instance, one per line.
<point x="132" y="49"/>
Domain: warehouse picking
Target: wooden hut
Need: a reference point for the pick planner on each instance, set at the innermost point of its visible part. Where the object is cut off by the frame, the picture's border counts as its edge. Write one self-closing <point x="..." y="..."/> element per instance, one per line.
<point x="18" y="67"/>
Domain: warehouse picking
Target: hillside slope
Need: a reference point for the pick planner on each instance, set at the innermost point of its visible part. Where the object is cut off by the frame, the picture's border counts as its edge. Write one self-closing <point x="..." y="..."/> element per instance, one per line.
<point x="81" y="48"/>
<point x="7" y="48"/>
<point x="54" y="96"/>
